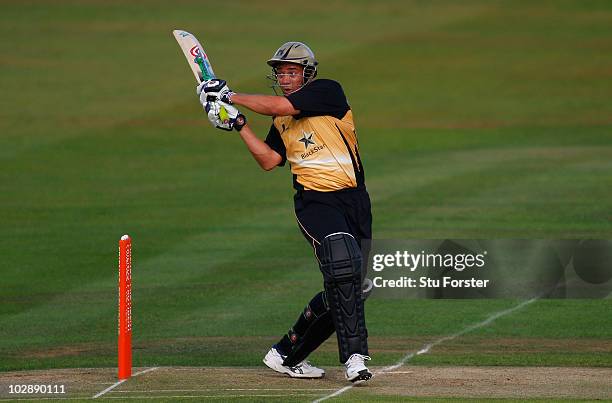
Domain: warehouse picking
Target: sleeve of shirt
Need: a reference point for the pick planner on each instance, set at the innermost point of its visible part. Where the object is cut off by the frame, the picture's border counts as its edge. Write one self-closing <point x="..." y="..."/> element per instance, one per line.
<point x="275" y="142"/>
<point x="319" y="98"/>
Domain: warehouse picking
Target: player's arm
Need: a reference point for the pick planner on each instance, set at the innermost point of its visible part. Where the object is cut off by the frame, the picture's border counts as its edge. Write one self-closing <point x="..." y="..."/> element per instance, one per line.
<point x="265" y="156"/>
<point x="270" y="105"/>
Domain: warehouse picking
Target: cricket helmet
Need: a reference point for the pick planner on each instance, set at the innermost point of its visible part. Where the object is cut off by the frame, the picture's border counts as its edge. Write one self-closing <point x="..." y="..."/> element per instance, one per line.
<point x="298" y="53"/>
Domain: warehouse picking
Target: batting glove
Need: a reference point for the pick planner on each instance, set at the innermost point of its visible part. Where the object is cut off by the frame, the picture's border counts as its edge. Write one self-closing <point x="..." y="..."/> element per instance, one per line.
<point x="213" y="90"/>
<point x="224" y="116"/>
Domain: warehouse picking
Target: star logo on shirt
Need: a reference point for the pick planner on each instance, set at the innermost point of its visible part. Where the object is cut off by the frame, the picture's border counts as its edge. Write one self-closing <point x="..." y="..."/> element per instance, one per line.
<point x="307" y="139"/>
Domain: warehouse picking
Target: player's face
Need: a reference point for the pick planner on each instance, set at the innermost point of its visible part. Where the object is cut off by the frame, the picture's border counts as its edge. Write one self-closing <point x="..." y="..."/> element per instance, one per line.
<point x="290" y="77"/>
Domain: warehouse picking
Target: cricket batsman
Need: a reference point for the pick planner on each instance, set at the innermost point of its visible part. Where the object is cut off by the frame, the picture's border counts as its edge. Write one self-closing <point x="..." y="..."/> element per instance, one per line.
<point x="313" y="129"/>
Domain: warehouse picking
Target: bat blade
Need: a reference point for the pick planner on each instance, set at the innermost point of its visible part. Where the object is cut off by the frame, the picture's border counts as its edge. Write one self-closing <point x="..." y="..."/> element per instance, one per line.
<point x="195" y="55"/>
<point x="198" y="61"/>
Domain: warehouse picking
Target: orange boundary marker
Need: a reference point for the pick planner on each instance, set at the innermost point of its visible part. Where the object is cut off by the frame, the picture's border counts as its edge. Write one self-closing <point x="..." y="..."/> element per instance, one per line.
<point x="125" y="308"/>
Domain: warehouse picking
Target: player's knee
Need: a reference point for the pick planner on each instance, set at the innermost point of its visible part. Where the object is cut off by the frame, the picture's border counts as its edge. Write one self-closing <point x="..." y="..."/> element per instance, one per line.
<point x="341" y="260"/>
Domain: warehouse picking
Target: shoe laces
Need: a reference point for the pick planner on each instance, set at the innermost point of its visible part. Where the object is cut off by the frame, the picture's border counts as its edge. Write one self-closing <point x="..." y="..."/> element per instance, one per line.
<point x="356" y="359"/>
<point x="304" y="364"/>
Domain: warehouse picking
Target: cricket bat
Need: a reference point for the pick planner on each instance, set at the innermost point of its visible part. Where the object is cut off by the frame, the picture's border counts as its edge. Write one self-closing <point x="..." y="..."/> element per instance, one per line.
<point x="198" y="60"/>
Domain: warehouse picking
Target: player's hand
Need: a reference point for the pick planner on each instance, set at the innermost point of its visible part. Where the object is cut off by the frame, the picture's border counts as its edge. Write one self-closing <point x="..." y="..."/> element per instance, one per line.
<point x="213" y="90"/>
<point x="224" y="116"/>
<point x="213" y="110"/>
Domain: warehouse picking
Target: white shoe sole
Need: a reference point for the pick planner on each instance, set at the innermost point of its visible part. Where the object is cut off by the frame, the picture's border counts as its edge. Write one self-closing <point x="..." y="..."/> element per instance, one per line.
<point x="362" y="375"/>
<point x="284" y="370"/>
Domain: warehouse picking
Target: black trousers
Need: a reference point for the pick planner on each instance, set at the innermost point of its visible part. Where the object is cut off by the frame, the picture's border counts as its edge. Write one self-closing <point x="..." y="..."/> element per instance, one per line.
<point x="320" y="214"/>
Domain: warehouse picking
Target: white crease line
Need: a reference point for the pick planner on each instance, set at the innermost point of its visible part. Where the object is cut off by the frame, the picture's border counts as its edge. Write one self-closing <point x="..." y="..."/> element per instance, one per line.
<point x="42" y="398"/>
<point x="223" y="397"/>
<point x="114" y="385"/>
<point x="427" y="348"/>
<point x="170" y="368"/>
<point x="222" y="389"/>
<point x="144" y="371"/>
<point x="336" y="393"/>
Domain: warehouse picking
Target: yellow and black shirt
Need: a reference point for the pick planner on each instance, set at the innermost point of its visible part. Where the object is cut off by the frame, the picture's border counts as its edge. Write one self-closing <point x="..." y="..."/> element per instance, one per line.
<point x="320" y="142"/>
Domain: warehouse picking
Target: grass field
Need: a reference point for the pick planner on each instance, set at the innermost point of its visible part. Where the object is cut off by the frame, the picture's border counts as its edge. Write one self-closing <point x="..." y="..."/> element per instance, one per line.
<point x="479" y="119"/>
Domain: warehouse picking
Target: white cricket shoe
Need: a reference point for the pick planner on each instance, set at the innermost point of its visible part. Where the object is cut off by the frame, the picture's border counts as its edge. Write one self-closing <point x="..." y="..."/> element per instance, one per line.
<point x="274" y="360"/>
<point x="356" y="369"/>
